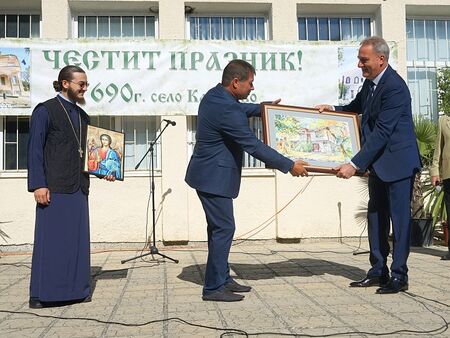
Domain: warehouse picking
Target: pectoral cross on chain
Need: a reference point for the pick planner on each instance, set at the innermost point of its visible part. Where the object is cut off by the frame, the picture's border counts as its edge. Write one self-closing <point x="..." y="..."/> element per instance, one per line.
<point x="81" y="152"/>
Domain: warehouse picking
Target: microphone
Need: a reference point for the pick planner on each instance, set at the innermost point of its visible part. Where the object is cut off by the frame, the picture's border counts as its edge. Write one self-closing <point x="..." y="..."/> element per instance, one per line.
<point x="170" y="122"/>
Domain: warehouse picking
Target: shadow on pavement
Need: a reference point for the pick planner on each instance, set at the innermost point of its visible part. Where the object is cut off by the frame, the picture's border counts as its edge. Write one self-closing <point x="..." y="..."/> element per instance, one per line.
<point x="428" y="251"/>
<point x="97" y="273"/>
<point x="305" y="267"/>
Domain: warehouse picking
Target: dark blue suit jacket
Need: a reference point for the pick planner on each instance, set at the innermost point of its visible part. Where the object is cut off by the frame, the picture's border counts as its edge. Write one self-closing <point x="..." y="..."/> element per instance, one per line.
<point x="223" y="134"/>
<point x="388" y="140"/>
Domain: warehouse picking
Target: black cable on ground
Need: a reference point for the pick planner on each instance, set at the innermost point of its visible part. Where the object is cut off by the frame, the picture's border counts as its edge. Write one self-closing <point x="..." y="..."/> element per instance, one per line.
<point x="233" y="331"/>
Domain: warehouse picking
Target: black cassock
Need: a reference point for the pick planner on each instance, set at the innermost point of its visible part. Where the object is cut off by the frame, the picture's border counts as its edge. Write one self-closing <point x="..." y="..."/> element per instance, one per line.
<point x="61" y="256"/>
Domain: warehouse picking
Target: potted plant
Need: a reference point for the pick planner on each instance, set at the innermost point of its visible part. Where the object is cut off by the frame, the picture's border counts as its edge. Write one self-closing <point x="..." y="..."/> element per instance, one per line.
<point x="428" y="207"/>
<point x="427" y="204"/>
<point x="436" y="204"/>
<point x="422" y="222"/>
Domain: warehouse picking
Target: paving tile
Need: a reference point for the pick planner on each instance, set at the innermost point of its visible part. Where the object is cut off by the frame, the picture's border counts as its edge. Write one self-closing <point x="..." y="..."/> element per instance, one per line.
<point x="297" y="289"/>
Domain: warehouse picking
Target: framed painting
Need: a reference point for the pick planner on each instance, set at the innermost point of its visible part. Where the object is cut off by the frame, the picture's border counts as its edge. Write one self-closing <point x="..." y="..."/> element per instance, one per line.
<point x="324" y="140"/>
<point x="104" y="152"/>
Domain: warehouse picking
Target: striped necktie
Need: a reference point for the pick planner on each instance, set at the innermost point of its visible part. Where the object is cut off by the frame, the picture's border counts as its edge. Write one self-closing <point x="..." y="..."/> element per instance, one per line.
<point x="366" y="111"/>
<point x="371" y="90"/>
<point x="369" y="96"/>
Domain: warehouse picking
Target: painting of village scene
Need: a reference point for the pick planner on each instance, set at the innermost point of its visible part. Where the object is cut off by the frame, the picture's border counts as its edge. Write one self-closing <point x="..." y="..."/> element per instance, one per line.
<point x="15" y="78"/>
<point x="324" y="140"/>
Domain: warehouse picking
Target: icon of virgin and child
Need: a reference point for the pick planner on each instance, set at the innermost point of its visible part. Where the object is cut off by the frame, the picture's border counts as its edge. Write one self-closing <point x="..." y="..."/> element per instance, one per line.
<point x="104" y="160"/>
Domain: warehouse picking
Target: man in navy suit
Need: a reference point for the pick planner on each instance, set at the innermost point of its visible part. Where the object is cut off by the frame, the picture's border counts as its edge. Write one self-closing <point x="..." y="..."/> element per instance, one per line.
<point x="389" y="152"/>
<point x="223" y="134"/>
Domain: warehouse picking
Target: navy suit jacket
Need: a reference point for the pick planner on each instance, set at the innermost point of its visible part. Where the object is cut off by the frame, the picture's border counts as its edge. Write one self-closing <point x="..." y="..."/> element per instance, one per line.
<point x="388" y="140"/>
<point x="223" y="134"/>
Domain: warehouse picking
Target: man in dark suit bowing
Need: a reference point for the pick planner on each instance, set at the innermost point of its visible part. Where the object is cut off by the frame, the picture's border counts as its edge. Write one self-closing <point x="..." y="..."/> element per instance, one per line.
<point x="389" y="152"/>
<point x="223" y="133"/>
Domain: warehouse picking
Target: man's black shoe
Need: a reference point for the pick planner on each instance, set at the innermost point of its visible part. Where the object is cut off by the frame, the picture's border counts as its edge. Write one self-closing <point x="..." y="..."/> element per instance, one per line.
<point x="35" y="303"/>
<point x="370" y="281"/>
<point x="394" y="285"/>
<point x="223" y="296"/>
<point x="234" y="286"/>
<point x="446" y="257"/>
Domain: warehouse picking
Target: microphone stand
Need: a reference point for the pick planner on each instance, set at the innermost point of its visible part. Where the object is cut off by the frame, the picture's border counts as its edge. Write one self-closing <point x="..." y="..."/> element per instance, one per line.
<point x="153" y="249"/>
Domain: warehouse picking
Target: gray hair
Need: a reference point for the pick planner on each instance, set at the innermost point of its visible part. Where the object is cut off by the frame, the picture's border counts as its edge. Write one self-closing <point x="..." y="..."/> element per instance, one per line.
<point x="378" y="44"/>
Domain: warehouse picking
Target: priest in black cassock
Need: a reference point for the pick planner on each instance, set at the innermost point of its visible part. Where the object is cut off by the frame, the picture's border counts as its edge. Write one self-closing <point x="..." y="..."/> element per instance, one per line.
<point x="60" y="271"/>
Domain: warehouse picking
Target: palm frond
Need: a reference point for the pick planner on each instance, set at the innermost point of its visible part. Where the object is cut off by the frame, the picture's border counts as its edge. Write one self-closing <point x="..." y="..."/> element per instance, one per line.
<point x="426" y="131"/>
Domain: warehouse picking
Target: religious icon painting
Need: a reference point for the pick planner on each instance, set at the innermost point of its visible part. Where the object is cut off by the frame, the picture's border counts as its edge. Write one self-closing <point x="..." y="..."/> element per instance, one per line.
<point x="104" y="152"/>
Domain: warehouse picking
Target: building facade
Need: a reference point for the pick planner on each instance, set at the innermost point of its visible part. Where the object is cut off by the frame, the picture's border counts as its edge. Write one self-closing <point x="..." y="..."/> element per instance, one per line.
<point x="271" y="205"/>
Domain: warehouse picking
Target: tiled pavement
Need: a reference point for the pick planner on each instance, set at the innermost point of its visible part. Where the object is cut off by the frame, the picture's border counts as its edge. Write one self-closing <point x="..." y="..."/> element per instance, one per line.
<point x="298" y="290"/>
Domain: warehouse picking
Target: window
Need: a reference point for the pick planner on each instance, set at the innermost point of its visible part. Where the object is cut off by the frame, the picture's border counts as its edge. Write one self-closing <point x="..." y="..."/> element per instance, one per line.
<point x="19" y="26"/>
<point x="14" y="129"/>
<point x="428" y="47"/>
<point x="139" y="132"/>
<point x="191" y="133"/>
<point x="116" y="26"/>
<point x="422" y="85"/>
<point x="227" y="28"/>
<point x="333" y="29"/>
<point x="15" y="142"/>
<point x="107" y="122"/>
<point x="428" y="40"/>
<point x="248" y="161"/>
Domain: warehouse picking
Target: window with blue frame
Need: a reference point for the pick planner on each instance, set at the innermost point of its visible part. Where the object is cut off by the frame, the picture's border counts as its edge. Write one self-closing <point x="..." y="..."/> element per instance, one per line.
<point x="116" y="26"/>
<point x="19" y="26"/>
<point x="248" y="161"/>
<point x="427" y="48"/>
<point x="15" y="128"/>
<point x="333" y="28"/>
<point x="139" y="130"/>
<point x="15" y="142"/>
<point x="227" y="28"/>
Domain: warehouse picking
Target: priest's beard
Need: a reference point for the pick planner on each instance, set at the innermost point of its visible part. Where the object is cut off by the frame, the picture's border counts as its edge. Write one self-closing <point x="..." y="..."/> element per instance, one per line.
<point x="72" y="94"/>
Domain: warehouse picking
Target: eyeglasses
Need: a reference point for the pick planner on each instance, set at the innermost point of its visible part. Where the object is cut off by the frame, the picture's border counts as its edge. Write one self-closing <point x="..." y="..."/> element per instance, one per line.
<point x="82" y="84"/>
